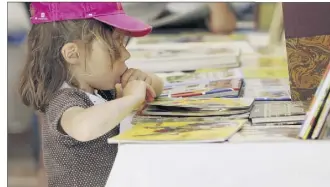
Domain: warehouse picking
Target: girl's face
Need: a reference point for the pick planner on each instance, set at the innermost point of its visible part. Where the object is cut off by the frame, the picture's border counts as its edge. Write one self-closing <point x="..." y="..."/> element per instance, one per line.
<point x="96" y="69"/>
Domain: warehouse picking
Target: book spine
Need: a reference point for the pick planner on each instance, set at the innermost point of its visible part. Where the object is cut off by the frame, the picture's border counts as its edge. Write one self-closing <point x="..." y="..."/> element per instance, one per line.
<point x="315" y="105"/>
<point x="322" y="118"/>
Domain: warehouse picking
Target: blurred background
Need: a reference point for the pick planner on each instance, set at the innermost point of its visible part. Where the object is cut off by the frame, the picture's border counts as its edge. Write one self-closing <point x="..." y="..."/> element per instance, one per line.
<point x="24" y="166"/>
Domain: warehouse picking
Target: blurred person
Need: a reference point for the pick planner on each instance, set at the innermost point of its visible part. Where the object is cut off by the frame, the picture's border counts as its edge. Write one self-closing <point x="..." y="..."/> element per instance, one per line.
<point x="220" y="17"/>
<point x="71" y="58"/>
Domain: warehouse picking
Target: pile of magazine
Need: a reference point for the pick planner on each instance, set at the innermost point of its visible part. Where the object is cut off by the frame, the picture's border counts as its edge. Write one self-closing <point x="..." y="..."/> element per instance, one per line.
<point x="220" y="89"/>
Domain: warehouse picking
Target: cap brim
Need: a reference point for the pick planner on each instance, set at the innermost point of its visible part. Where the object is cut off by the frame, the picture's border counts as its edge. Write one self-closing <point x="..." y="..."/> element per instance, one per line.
<point x="131" y="26"/>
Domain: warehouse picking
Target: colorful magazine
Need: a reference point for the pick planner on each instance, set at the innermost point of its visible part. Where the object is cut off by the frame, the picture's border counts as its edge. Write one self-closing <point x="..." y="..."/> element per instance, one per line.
<point x="316" y="105"/>
<point x="180" y="132"/>
<point x="211" y="88"/>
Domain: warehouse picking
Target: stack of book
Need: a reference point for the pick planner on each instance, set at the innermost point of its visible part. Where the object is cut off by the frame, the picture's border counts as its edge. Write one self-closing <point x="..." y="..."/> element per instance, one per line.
<point x="198" y="107"/>
<point x="183" y="57"/>
<point x="186" y="53"/>
<point x="317" y="122"/>
<point x="218" y="88"/>
<point x="278" y="113"/>
<point x="187" y="120"/>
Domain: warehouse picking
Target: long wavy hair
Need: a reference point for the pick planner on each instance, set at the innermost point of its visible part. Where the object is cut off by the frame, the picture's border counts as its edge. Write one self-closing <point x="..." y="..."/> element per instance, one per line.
<point x="46" y="70"/>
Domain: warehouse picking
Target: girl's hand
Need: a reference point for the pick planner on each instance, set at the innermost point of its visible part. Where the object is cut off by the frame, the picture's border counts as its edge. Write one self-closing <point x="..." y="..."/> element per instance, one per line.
<point x="135" y="74"/>
<point x="140" y="90"/>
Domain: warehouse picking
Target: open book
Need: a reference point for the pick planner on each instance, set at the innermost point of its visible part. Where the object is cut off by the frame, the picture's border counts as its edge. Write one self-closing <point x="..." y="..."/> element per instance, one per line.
<point x="180" y="132"/>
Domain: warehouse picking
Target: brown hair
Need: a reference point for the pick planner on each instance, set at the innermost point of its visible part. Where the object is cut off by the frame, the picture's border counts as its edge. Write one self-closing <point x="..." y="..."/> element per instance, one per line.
<point x="46" y="70"/>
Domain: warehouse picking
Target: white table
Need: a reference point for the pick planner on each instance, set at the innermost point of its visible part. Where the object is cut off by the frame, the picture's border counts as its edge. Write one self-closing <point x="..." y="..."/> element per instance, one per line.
<point x="283" y="164"/>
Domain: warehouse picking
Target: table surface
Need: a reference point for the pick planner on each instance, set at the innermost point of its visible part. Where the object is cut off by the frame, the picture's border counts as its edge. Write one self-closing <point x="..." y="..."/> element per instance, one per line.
<point x="285" y="164"/>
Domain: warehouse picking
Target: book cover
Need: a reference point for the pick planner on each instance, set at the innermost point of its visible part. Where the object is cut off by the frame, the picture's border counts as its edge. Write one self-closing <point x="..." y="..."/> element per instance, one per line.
<point x="307" y="36"/>
<point x="180" y="132"/>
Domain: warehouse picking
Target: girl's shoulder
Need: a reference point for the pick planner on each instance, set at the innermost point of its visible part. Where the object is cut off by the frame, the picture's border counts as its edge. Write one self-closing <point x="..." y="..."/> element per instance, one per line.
<point x="64" y="99"/>
<point x="70" y="95"/>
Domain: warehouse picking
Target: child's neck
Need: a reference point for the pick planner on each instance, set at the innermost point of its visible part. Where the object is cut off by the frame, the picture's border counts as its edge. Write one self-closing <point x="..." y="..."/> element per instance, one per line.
<point x="86" y="88"/>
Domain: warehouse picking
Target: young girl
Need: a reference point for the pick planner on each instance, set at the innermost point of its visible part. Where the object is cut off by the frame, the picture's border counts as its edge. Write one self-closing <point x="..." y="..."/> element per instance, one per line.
<point x="76" y="49"/>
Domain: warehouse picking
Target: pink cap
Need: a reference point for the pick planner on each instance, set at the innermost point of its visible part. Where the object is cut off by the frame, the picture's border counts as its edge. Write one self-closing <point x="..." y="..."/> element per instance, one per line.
<point x="108" y="13"/>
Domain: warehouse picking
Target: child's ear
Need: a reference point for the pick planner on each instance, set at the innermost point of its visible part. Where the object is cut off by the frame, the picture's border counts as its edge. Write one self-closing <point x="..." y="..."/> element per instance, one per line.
<point x="70" y="53"/>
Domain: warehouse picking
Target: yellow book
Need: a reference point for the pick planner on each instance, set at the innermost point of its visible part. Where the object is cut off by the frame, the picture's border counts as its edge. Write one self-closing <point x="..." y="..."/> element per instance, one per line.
<point x="180" y="132"/>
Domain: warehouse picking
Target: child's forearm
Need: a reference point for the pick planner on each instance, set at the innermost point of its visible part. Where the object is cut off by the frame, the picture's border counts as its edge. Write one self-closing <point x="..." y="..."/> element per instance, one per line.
<point x="157" y="84"/>
<point x="91" y="123"/>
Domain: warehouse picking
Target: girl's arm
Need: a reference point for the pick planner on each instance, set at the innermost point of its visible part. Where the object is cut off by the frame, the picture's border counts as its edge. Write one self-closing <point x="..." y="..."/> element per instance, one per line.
<point x="136" y="74"/>
<point x="93" y="122"/>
